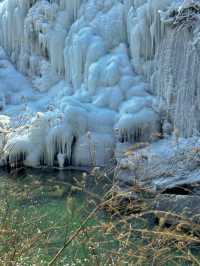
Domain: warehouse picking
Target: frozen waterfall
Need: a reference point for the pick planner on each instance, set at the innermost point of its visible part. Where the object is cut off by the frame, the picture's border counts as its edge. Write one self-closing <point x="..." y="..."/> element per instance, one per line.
<point x="94" y="73"/>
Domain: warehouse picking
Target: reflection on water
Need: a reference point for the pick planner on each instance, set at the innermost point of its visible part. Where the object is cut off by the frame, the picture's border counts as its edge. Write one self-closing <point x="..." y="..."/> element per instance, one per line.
<point x="37" y="186"/>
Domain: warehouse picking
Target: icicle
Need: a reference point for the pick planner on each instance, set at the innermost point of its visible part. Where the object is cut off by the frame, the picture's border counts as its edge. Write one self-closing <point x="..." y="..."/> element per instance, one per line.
<point x="59" y="141"/>
<point x="144" y="33"/>
<point x="139" y="126"/>
<point x="56" y="43"/>
<point x="61" y="159"/>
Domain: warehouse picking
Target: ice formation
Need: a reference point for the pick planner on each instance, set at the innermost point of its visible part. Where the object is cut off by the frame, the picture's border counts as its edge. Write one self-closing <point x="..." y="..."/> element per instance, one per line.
<point x="96" y="72"/>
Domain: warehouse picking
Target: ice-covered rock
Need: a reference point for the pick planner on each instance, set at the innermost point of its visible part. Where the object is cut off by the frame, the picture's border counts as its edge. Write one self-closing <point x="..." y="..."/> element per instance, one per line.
<point x="168" y="163"/>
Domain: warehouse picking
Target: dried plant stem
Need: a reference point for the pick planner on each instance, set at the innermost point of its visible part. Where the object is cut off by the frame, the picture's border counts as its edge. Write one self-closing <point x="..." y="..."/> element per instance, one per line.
<point x="76" y="233"/>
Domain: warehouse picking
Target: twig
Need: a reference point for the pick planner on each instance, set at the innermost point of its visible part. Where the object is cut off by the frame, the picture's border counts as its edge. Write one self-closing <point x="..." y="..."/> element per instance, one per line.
<point x="76" y="233"/>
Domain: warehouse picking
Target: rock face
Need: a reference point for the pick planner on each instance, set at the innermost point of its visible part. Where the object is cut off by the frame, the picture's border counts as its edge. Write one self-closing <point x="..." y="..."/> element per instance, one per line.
<point x="102" y="72"/>
<point x="164" y="165"/>
<point x="179" y="86"/>
<point x="180" y="204"/>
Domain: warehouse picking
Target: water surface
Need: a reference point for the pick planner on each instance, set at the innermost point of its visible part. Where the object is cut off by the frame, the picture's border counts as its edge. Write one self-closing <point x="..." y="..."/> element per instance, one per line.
<point x="41" y="199"/>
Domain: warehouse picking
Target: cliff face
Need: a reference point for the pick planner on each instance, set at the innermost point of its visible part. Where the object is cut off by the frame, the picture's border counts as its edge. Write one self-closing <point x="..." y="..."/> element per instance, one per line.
<point x="167" y="53"/>
<point x="102" y="72"/>
<point x="176" y="77"/>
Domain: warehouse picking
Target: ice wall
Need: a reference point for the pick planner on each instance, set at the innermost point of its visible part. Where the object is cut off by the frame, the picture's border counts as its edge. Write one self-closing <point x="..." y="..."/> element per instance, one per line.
<point x="176" y="75"/>
<point x="93" y="60"/>
<point x="164" y="44"/>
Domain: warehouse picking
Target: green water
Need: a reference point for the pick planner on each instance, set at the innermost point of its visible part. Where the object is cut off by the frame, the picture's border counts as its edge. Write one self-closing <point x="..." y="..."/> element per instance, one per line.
<point x="36" y="201"/>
